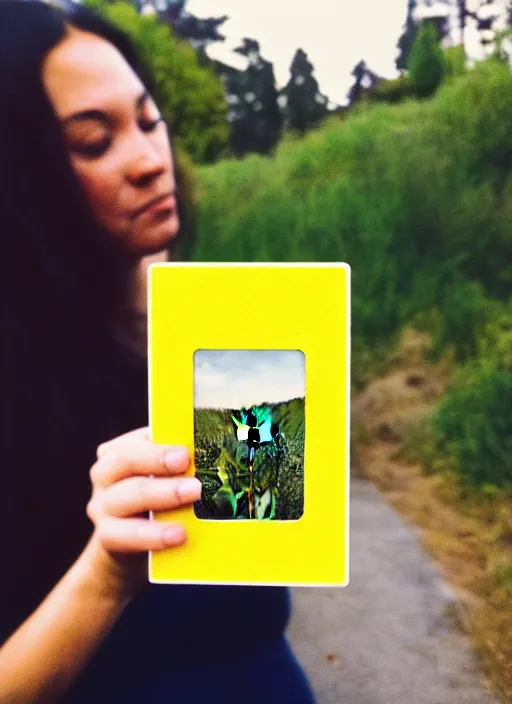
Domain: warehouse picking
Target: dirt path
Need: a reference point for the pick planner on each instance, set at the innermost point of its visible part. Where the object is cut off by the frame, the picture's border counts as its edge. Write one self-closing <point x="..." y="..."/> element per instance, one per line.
<point x="392" y="635"/>
<point x="397" y="634"/>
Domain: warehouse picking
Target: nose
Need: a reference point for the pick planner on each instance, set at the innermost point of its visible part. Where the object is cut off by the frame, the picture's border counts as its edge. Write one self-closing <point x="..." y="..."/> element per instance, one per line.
<point x="146" y="161"/>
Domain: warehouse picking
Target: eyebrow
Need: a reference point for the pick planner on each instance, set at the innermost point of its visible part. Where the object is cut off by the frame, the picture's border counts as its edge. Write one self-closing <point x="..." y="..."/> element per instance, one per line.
<point x="100" y="114"/>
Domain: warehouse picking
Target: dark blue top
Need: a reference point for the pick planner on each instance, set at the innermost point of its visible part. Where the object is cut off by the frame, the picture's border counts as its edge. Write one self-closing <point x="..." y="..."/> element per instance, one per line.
<point x="185" y="644"/>
<point x="197" y="644"/>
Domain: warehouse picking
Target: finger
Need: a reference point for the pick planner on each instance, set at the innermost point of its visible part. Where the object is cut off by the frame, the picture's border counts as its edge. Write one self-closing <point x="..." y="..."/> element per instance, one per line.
<point x="138" y="494"/>
<point x="139" y="458"/>
<point x="133" y="435"/>
<point x="139" y="535"/>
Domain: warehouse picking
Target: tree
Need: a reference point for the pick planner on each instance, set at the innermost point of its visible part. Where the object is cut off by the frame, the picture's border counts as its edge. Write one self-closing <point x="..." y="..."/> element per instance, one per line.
<point x="426" y="64"/>
<point x="436" y="12"/>
<point x="485" y="16"/>
<point x="186" y="26"/>
<point x="408" y="36"/>
<point x="305" y="105"/>
<point x="365" y="81"/>
<point x="260" y="128"/>
<point x="191" y="97"/>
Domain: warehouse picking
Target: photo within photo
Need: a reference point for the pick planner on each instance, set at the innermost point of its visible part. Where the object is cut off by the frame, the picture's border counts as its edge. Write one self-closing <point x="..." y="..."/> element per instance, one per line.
<point x="249" y="427"/>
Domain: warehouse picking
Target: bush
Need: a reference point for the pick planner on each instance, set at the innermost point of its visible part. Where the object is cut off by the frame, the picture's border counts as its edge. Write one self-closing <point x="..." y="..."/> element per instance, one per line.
<point x="464" y="312"/>
<point x="392" y="91"/>
<point x="474" y="425"/>
<point x="455" y="61"/>
<point x="191" y="96"/>
<point x="426" y="64"/>
<point x="409" y="195"/>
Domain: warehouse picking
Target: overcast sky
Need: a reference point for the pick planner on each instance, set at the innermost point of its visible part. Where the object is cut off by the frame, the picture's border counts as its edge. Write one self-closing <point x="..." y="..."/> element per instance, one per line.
<point x="235" y="379"/>
<point x="335" y="34"/>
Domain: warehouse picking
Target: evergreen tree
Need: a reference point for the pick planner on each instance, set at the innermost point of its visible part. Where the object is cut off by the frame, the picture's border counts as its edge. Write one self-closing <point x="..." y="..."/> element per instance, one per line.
<point x="305" y="105"/>
<point x="197" y="32"/>
<point x="355" y="92"/>
<point x="407" y="39"/>
<point x="463" y="14"/>
<point x="258" y="127"/>
<point x="426" y="62"/>
<point x="365" y="81"/>
<point x="431" y="12"/>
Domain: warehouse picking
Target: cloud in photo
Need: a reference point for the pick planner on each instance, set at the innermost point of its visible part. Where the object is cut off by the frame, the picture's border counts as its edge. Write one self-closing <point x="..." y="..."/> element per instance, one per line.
<point x="236" y="378"/>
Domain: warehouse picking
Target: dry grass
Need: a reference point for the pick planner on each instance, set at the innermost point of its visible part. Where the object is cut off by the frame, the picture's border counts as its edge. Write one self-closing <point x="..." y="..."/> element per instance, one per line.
<point x="468" y="534"/>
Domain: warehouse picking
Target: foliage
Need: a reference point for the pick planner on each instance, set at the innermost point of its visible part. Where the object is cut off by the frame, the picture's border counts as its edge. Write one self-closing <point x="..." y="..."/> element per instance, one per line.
<point x="474" y="425"/>
<point x="191" y="96"/>
<point x="455" y="61"/>
<point x="392" y="91"/>
<point x="275" y="482"/>
<point x="459" y="320"/>
<point x="407" y="38"/>
<point x="256" y="119"/>
<point x="426" y="64"/>
<point x="417" y="197"/>
<point x="305" y="105"/>
<point x="500" y="53"/>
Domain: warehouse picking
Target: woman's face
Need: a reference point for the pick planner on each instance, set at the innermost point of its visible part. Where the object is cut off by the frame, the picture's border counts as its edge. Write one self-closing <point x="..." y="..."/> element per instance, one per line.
<point x="117" y="141"/>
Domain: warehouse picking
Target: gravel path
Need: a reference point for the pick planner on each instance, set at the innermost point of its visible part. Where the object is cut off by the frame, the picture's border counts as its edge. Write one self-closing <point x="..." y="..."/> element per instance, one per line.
<point x="390" y="636"/>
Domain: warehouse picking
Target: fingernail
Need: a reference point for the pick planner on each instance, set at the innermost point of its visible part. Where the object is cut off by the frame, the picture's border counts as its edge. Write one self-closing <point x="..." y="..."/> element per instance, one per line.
<point x="173" y="535"/>
<point x="176" y="455"/>
<point x="189" y="489"/>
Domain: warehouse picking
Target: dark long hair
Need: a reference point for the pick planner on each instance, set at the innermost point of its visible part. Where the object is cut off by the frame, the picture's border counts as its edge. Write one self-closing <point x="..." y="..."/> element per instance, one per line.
<point x="65" y="383"/>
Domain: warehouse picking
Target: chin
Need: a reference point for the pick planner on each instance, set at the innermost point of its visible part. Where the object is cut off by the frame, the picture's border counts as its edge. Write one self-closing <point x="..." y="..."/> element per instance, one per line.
<point x="154" y="239"/>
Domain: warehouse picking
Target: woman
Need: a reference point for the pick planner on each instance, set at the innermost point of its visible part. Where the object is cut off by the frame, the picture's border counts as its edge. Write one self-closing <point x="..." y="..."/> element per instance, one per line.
<point x="89" y="197"/>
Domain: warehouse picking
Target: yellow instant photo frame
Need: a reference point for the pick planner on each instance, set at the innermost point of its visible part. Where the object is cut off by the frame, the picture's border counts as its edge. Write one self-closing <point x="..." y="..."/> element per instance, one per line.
<point x="202" y="306"/>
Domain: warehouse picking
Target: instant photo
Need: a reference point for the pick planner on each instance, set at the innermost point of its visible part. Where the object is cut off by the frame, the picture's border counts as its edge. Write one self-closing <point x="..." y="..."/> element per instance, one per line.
<point x="261" y="402"/>
<point x="249" y="414"/>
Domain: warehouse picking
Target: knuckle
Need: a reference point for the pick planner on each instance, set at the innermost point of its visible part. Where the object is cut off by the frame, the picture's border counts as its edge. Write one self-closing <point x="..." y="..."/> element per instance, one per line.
<point x="100" y="466"/>
<point x="114" y="457"/>
<point x="90" y="511"/>
<point x="143" y="489"/>
<point x="93" y="473"/>
<point x="93" y="508"/>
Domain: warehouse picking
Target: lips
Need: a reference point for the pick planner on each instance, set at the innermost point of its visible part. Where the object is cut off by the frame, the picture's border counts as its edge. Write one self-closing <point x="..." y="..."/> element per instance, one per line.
<point x="167" y="201"/>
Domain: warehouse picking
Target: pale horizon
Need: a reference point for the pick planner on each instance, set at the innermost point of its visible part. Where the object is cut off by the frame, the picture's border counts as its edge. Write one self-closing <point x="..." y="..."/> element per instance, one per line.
<point x="245" y="378"/>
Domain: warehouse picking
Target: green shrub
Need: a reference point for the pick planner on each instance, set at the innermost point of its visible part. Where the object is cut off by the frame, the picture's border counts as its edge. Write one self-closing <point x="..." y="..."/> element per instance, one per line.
<point x="392" y="91"/>
<point x="426" y="64"/>
<point x="474" y="425"/>
<point x="455" y="61"/>
<point x="413" y="196"/>
<point x="191" y="96"/>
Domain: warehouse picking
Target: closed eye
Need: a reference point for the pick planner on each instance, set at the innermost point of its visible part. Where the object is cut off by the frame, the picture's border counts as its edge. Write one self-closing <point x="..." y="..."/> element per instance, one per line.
<point x="97" y="149"/>
<point x="92" y="150"/>
<point x="150" y="125"/>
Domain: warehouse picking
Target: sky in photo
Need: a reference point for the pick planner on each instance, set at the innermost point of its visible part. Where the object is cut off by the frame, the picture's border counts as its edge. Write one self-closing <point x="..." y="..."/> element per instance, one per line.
<point x="236" y="378"/>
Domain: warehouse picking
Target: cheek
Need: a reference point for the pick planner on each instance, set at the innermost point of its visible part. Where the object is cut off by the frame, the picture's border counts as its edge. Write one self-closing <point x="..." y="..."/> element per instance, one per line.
<point x="100" y="189"/>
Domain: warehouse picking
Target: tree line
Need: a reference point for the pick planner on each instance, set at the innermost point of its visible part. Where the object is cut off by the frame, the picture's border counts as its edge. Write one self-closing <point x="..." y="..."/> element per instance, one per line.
<point x="215" y="110"/>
